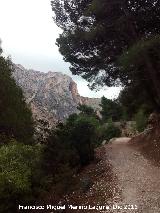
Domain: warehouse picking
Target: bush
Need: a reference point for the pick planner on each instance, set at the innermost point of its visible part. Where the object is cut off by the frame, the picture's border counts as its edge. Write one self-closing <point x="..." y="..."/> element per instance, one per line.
<point x="18" y="175"/>
<point x="86" y="110"/>
<point x="111" y="131"/>
<point x="59" y="160"/>
<point x="83" y="137"/>
<point x="141" y="120"/>
<point x="69" y="146"/>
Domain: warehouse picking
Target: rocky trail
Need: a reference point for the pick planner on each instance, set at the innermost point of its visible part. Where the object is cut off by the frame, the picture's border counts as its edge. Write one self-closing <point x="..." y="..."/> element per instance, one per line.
<point x="124" y="180"/>
<point x="137" y="178"/>
<point x="121" y="181"/>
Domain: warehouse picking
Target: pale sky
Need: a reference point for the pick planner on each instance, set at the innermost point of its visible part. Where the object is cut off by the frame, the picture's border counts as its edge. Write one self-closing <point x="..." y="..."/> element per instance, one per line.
<point x="28" y="35"/>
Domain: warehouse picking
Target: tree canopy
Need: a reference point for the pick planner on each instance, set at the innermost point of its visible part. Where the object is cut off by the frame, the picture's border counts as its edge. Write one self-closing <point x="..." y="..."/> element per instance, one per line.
<point x="96" y="33"/>
<point x="110" y="110"/>
<point x="15" y="116"/>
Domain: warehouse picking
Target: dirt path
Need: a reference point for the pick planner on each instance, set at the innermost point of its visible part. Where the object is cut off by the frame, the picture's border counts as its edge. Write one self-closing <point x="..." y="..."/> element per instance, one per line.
<point x="122" y="178"/>
<point x="137" y="179"/>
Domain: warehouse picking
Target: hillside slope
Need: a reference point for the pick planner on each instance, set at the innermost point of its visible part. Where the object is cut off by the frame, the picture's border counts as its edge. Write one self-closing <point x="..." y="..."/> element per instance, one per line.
<point x="148" y="143"/>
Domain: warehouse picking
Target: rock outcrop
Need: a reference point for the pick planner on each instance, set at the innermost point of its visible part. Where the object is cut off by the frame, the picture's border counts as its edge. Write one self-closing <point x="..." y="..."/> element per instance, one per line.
<point x="53" y="96"/>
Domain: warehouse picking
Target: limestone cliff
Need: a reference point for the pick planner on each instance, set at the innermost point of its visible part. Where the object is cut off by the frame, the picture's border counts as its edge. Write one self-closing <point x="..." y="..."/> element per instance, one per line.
<point x="52" y="96"/>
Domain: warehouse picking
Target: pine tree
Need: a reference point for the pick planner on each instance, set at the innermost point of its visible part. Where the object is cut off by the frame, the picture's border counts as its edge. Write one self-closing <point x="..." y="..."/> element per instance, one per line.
<point x="97" y="32"/>
<point x="15" y="116"/>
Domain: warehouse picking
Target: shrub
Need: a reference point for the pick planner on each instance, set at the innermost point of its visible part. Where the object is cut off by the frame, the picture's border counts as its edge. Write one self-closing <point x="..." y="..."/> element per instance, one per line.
<point x="111" y="131"/>
<point x="18" y="171"/>
<point x="86" y="110"/>
<point x="59" y="160"/>
<point x="83" y="136"/>
<point x="141" y="120"/>
<point x="69" y="147"/>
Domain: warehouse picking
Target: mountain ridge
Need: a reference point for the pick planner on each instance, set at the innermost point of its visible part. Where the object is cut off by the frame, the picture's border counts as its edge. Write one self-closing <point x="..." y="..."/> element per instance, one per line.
<point x="52" y="96"/>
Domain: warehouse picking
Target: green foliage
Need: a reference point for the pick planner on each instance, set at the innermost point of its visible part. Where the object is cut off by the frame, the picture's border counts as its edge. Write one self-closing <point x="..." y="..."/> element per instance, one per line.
<point x="96" y="32"/>
<point x="15" y="117"/>
<point x="69" y="147"/>
<point x="60" y="159"/>
<point x="141" y="120"/>
<point x="19" y="175"/>
<point x="141" y="64"/>
<point x="86" y="110"/>
<point x="83" y="135"/>
<point x="59" y="151"/>
<point x="100" y="135"/>
<point x="75" y="140"/>
<point x="137" y="53"/>
<point x="130" y="101"/>
<point x="111" y="131"/>
<point x="110" y="109"/>
<point x="134" y="60"/>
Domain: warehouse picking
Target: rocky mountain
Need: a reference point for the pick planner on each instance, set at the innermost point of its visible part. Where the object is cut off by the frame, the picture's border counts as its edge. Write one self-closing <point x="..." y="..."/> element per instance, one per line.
<point x="53" y="96"/>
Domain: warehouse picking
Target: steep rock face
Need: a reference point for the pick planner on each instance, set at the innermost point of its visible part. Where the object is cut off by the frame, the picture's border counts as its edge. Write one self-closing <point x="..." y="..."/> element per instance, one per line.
<point x="52" y="96"/>
<point x="93" y="102"/>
